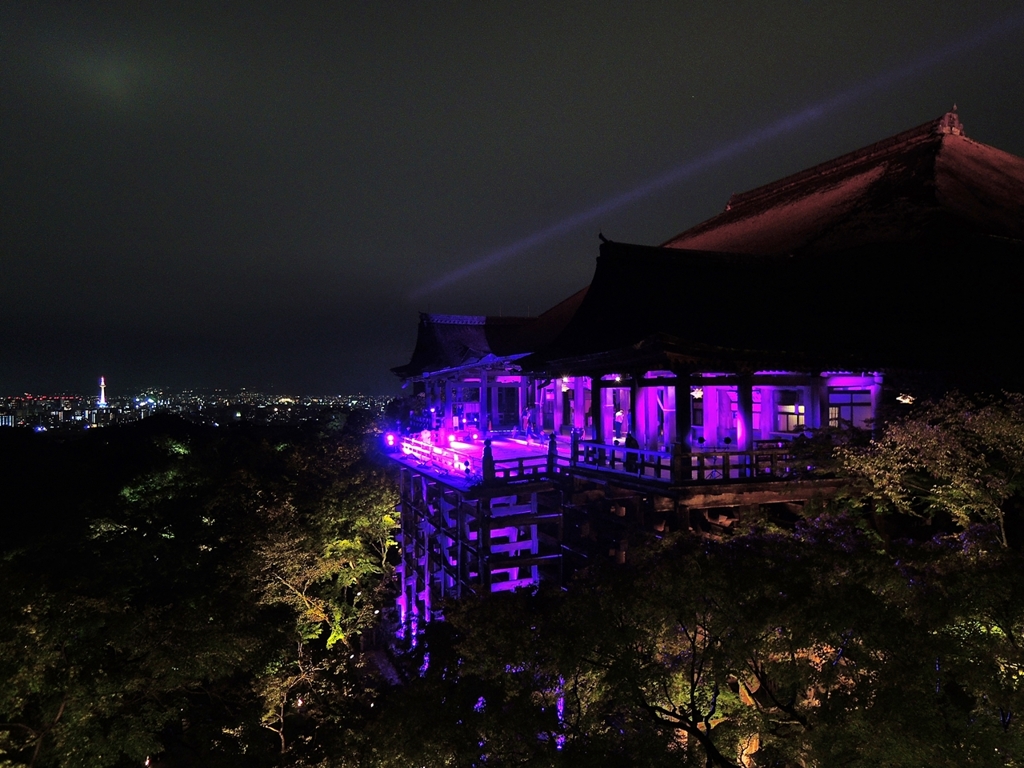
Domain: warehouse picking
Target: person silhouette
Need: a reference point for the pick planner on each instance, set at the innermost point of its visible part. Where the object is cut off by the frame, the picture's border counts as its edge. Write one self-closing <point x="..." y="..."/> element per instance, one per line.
<point x="631" y="456"/>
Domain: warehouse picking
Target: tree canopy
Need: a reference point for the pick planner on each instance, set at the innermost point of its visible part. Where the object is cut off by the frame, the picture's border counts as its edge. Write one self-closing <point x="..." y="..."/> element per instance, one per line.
<point x="190" y="596"/>
<point x="818" y="648"/>
<point x="958" y="457"/>
<point x="186" y="596"/>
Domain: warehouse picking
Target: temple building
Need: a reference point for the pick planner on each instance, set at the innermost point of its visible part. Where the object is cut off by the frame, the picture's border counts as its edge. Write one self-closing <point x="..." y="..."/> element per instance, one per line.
<point x="668" y="392"/>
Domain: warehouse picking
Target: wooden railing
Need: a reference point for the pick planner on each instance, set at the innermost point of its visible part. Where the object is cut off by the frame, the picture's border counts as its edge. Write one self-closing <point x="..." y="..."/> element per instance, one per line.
<point x="635" y="461"/>
<point x="767" y="464"/>
<point x="524" y="466"/>
<point x="699" y="466"/>
<point x="462" y="464"/>
<point x="444" y="459"/>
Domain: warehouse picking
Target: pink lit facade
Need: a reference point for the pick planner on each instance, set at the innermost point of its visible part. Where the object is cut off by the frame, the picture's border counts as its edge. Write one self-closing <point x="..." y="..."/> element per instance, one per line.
<point x="670" y="393"/>
<point x="723" y="409"/>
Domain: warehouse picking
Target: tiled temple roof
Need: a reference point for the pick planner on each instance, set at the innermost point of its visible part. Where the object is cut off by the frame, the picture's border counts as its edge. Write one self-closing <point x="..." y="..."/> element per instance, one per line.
<point x="949" y="306"/>
<point x="929" y="179"/>
<point x="448" y="342"/>
<point x="908" y="253"/>
<point x="453" y="341"/>
<point x="710" y="309"/>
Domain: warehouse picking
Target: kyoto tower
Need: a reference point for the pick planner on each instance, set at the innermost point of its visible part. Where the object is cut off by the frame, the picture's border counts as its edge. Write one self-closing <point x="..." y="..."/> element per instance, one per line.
<point x="102" y="402"/>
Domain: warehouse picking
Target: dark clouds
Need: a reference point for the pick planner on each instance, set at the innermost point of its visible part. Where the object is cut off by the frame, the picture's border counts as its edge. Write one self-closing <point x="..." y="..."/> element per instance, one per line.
<point x="243" y="194"/>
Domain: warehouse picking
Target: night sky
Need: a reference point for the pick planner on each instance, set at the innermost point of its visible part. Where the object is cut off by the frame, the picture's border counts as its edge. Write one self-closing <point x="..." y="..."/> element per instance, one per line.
<point x="252" y="194"/>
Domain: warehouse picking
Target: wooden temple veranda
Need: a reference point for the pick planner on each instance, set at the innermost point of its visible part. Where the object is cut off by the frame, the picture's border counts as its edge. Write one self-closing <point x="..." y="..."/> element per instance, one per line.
<point x="544" y="442"/>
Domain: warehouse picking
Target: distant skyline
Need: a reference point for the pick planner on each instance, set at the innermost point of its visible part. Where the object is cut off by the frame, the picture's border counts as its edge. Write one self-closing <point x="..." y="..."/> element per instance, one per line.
<point x="237" y="196"/>
<point x="129" y="392"/>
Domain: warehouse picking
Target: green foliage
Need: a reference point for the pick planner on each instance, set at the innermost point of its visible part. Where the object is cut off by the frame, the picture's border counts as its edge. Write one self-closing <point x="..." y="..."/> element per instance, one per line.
<point x="814" y="648"/>
<point x="958" y="457"/>
<point x="179" y="592"/>
<point x="197" y="597"/>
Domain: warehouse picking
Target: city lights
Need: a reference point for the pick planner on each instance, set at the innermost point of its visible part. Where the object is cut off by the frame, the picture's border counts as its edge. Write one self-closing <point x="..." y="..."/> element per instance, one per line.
<point x="66" y="411"/>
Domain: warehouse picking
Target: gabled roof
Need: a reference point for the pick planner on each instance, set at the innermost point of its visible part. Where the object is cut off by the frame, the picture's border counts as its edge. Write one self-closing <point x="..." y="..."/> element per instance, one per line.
<point x="905" y="254"/>
<point x="547" y="327"/>
<point x="929" y="179"/>
<point x="449" y="342"/>
<point x="706" y="307"/>
<point x="949" y="305"/>
<point x="454" y="341"/>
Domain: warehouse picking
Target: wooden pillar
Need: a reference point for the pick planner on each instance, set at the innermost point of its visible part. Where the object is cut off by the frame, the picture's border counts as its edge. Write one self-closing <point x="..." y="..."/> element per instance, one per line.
<point x="634" y="396"/>
<point x="538" y="405"/>
<point x="485" y="403"/>
<point x="449" y="396"/>
<point x="460" y="534"/>
<point x="712" y="418"/>
<point x="484" y="541"/>
<point x="579" y="417"/>
<point x="556" y="418"/>
<point x="684" y="406"/>
<point x="524" y="400"/>
<point x="489" y="407"/>
<point x="745" y="413"/>
<point x="595" y="408"/>
<point x="681" y="449"/>
<point x="819" y="402"/>
<point x="876" y="404"/>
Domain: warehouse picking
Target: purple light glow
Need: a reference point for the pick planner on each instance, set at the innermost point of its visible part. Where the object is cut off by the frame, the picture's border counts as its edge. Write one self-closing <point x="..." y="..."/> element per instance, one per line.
<point x="787" y="124"/>
<point x="560" y="710"/>
<point x="402" y="609"/>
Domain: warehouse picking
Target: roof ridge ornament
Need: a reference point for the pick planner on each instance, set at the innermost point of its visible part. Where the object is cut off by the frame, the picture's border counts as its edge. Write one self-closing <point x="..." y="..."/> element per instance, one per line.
<point x="950" y="123"/>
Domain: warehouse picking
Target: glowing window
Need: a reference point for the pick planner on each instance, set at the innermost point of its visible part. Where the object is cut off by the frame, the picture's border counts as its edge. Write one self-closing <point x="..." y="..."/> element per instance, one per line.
<point x="790" y="410"/>
<point x="849" y="408"/>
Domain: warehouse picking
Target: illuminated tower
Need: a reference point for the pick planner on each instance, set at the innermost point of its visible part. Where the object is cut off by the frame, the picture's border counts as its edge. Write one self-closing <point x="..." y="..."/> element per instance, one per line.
<point x="103" y="393"/>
